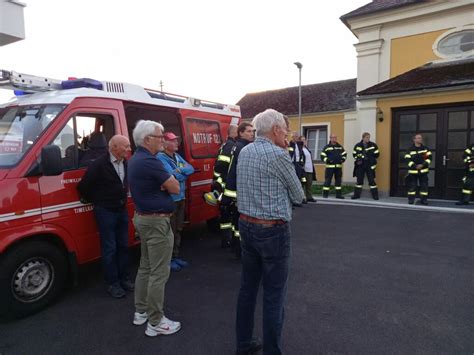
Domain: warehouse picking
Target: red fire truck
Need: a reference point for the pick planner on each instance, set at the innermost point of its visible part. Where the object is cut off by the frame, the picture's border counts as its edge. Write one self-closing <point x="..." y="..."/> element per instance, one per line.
<point x="45" y="134"/>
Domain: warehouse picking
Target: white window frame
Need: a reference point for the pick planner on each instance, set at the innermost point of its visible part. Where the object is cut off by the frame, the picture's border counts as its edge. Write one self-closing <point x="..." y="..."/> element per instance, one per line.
<point x="315" y="125"/>
<point x="446" y="34"/>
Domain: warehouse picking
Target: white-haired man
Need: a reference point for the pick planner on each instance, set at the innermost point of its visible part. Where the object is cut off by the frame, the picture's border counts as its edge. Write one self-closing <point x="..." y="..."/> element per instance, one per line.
<point x="267" y="186"/>
<point x="151" y="187"/>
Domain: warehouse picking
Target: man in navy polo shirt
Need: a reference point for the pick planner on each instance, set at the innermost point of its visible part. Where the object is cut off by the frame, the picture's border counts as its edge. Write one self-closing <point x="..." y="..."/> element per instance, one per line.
<point x="151" y="186"/>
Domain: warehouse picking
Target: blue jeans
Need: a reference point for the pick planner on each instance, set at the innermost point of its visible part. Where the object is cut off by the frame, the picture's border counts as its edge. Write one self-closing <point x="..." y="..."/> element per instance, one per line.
<point x="265" y="258"/>
<point x="113" y="231"/>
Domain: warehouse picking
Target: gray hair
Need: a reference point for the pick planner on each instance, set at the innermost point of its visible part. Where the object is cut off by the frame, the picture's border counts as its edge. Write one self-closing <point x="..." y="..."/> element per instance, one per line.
<point x="264" y="121"/>
<point x="143" y="129"/>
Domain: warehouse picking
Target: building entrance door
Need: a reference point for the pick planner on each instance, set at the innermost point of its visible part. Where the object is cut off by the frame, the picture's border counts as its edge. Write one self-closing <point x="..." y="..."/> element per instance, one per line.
<point x="447" y="131"/>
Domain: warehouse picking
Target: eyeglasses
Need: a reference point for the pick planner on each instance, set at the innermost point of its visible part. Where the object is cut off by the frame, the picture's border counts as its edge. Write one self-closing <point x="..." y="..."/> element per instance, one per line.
<point x="154" y="136"/>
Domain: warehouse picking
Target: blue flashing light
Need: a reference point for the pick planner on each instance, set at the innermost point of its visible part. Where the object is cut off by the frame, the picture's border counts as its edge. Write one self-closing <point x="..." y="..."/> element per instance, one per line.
<point x="81" y="83"/>
<point x="21" y="93"/>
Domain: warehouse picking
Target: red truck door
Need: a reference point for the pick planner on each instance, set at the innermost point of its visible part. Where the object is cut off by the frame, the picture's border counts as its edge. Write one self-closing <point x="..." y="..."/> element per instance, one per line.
<point x="83" y="136"/>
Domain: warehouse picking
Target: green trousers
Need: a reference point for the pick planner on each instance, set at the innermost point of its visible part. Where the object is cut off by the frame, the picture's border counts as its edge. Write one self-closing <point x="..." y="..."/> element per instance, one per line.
<point x="154" y="270"/>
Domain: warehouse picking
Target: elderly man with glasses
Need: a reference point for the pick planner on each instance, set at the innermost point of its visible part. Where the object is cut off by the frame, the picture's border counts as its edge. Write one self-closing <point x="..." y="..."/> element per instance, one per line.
<point x="151" y="187"/>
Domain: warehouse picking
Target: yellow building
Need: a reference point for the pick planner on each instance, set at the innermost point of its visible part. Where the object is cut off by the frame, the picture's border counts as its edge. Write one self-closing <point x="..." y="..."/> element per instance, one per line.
<point x="415" y="74"/>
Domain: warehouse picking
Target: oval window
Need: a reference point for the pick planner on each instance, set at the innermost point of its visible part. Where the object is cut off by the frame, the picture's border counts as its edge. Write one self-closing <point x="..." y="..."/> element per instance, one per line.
<point x="457" y="43"/>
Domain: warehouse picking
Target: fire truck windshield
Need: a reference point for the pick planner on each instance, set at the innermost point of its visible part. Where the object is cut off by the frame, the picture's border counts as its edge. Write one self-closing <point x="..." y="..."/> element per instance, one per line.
<point x="20" y="127"/>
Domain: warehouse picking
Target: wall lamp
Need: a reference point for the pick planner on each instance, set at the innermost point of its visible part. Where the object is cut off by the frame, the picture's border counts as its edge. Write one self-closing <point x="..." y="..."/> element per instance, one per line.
<point x="379" y="114"/>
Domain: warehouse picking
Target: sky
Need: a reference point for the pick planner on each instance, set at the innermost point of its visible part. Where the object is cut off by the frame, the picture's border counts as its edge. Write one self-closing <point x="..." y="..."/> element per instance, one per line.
<point x="209" y="49"/>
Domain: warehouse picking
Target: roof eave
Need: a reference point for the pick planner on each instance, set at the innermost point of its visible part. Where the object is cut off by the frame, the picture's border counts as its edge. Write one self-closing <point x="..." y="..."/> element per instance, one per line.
<point x="414" y="92"/>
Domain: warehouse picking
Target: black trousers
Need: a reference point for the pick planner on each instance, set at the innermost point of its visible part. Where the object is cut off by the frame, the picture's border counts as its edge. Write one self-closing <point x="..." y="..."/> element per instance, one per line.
<point x="468" y="184"/>
<point x="329" y="173"/>
<point x="413" y="180"/>
<point x="361" y="171"/>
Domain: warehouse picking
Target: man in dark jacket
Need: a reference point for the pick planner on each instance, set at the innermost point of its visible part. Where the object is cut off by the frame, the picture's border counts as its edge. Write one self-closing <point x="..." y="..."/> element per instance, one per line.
<point x="105" y="185"/>
<point x="334" y="155"/>
<point x="418" y="158"/>
<point x="229" y="199"/>
<point x="297" y="156"/>
<point x="309" y="172"/>
<point x="365" y="155"/>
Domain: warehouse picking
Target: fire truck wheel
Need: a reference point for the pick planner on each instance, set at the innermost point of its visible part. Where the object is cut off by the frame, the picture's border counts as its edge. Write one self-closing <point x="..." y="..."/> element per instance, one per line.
<point x="32" y="274"/>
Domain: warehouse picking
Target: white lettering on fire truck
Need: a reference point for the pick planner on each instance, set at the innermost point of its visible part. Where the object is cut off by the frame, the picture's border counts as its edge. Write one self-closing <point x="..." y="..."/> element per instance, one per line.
<point x="70" y="181"/>
<point x="83" y="209"/>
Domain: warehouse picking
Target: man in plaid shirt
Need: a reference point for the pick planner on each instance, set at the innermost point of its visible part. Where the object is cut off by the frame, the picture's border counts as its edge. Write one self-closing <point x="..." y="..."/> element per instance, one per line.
<point x="267" y="186"/>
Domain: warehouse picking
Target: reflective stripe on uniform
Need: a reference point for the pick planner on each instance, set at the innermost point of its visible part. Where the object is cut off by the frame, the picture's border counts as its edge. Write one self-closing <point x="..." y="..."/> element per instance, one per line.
<point x="359" y="186"/>
<point x="373" y="187"/>
<point x="334" y="166"/>
<point x="216" y="174"/>
<point x="373" y="167"/>
<point x="467" y="192"/>
<point x="425" y="170"/>
<point x="230" y="193"/>
<point x="226" y="225"/>
<point x="325" y="188"/>
<point x="411" y="193"/>
<point x="338" y="187"/>
<point x="223" y="158"/>
<point x="423" y="193"/>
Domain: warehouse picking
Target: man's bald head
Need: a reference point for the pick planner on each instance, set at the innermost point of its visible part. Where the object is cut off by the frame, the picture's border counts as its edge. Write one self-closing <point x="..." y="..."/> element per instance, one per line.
<point x="119" y="146"/>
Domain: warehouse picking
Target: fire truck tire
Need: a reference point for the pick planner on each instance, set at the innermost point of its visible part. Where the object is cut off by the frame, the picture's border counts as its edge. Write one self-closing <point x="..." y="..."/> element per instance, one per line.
<point x="32" y="275"/>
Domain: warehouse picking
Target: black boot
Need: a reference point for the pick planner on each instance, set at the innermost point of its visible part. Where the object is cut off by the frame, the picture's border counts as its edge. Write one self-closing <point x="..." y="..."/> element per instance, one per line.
<point x="375" y="193"/>
<point x="424" y="200"/>
<point x="411" y="200"/>
<point x="357" y="192"/>
<point x="325" y="193"/>
<point x="464" y="200"/>
<point x="339" y="194"/>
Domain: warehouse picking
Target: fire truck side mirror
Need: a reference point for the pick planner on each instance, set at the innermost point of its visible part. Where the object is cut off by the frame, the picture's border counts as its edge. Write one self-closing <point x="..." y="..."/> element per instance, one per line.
<point x="51" y="163"/>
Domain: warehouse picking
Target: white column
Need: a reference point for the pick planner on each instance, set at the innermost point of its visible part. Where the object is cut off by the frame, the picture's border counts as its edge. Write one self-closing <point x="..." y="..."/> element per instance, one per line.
<point x="351" y="130"/>
<point x="367" y="118"/>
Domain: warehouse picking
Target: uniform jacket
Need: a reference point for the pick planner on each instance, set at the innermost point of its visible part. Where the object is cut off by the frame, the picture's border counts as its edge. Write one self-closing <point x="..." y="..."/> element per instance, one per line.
<point x="365" y="157"/>
<point x="333" y="155"/>
<point x="230" y="191"/>
<point x="418" y="155"/>
<point x="221" y="166"/>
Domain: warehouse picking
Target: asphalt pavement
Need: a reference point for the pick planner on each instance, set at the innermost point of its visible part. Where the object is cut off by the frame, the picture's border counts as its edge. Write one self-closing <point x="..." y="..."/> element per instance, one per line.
<point x="363" y="280"/>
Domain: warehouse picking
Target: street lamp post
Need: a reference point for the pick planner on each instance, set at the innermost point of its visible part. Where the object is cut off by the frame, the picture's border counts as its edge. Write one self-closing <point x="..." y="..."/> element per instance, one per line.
<point x="299" y="66"/>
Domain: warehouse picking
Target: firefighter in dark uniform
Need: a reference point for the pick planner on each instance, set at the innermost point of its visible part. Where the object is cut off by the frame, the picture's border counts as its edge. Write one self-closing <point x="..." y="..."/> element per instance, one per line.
<point x="334" y="155"/>
<point x="221" y="167"/>
<point x="468" y="180"/>
<point x="365" y="155"/>
<point x="245" y="133"/>
<point x="418" y="158"/>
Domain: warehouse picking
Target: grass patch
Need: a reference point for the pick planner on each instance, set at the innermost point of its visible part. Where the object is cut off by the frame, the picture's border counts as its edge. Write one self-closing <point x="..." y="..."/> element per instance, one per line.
<point x="318" y="189"/>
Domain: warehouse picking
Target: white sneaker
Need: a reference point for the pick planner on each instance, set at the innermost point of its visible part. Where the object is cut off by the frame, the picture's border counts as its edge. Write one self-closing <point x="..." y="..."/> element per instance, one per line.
<point x="140" y="318"/>
<point x="165" y="327"/>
